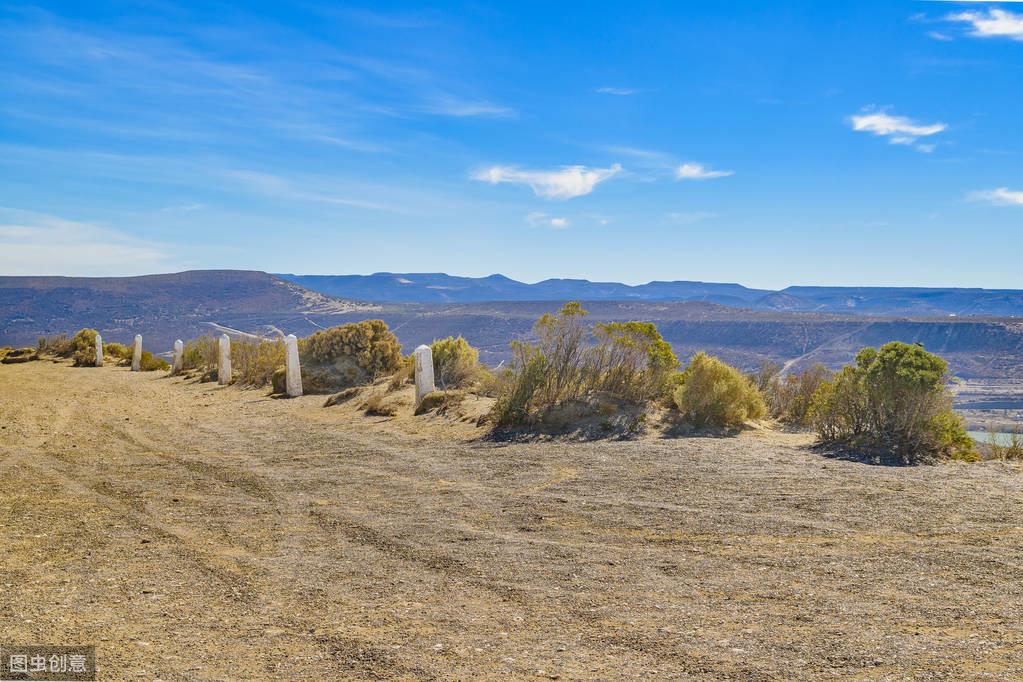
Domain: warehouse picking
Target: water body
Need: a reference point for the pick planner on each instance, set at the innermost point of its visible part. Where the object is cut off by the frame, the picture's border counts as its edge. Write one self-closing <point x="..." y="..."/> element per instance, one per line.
<point x="985" y="437"/>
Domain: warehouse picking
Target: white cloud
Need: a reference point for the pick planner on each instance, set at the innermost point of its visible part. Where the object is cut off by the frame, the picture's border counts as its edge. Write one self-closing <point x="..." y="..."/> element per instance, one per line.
<point x="994" y="23"/>
<point x="1002" y="196"/>
<point x="39" y="244"/>
<point x="621" y="92"/>
<point x="537" y="219"/>
<point x="697" y="171"/>
<point x="938" y="35"/>
<point x="567" y="182"/>
<point x="898" y="129"/>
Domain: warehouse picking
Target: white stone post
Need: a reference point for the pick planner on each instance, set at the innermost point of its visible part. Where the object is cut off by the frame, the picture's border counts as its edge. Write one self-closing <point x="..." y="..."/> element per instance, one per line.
<point x="179" y="357"/>
<point x="99" y="350"/>
<point x="224" y="368"/>
<point x="136" y="356"/>
<point x="293" y="378"/>
<point x="424" y="372"/>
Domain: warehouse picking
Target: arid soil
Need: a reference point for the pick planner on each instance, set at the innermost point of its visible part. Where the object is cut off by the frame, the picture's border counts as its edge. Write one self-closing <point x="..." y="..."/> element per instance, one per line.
<point x="194" y="532"/>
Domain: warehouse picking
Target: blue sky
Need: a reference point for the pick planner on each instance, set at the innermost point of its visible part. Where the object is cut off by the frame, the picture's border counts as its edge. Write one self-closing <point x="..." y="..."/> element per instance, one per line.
<point x="766" y="143"/>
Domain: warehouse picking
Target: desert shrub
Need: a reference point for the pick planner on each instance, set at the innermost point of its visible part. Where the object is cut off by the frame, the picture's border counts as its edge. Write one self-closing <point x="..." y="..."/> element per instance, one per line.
<point x="456" y="364"/>
<point x="1011" y="450"/>
<point x="562" y="346"/>
<point x="713" y="393"/>
<point x="440" y="401"/>
<point x="59" y="346"/>
<point x="790" y="396"/>
<point x="524" y="379"/>
<point x="377" y="406"/>
<point x="893" y="401"/>
<point x="254" y="362"/>
<point x="628" y="361"/>
<point x="631" y="361"/>
<point x="151" y="363"/>
<point x="348" y="355"/>
<point x="83" y="348"/>
<point x="118" y="351"/>
<point x="493" y="383"/>
<point x="201" y="354"/>
<point x="766" y="376"/>
<point x="279" y="380"/>
<point x="404" y="374"/>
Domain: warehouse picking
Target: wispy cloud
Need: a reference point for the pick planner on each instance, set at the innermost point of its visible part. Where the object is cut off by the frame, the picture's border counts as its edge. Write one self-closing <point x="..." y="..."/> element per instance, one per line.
<point x="268" y="184"/>
<point x="567" y="182"/>
<point x="690" y="218"/>
<point x="40" y="244"/>
<point x="897" y="129"/>
<point x="992" y="23"/>
<point x="460" y="108"/>
<point x="620" y="92"/>
<point x="183" y="208"/>
<point x="697" y="171"/>
<point x="1003" y="196"/>
<point x="538" y="219"/>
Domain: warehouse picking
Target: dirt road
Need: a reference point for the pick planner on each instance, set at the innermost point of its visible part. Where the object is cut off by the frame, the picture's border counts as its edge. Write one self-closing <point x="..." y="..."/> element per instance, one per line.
<point x="198" y="532"/>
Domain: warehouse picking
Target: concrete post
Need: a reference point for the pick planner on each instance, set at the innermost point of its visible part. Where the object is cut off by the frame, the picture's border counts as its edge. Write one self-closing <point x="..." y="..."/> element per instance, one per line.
<point x="424" y="372"/>
<point x="293" y="367"/>
<point x="224" y="368"/>
<point x="136" y="356"/>
<point x="179" y="357"/>
<point x="99" y="350"/>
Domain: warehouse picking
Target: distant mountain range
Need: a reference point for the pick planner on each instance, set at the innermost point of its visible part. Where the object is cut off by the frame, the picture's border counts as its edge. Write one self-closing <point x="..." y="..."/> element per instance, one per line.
<point x="880" y="301"/>
<point x="184" y="305"/>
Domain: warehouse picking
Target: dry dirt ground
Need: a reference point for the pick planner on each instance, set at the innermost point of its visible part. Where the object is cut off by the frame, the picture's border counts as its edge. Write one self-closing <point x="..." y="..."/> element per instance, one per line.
<point x="195" y="532"/>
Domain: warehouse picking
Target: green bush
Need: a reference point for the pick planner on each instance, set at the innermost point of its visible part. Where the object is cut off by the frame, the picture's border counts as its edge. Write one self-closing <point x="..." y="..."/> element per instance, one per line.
<point x="893" y="401"/>
<point x="254" y="362"/>
<point x="632" y="361"/>
<point x="713" y="393"/>
<point x="790" y="396"/>
<point x="348" y="355"/>
<point x="528" y="374"/>
<point x="118" y="351"/>
<point x="151" y="363"/>
<point x="456" y="364"/>
<point x="83" y="348"/>
<point x="201" y="354"/>
<point x="627" y="361"/>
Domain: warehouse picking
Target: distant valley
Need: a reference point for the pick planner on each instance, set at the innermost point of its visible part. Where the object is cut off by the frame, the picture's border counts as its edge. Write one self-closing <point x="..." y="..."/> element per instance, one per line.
<point x="875" y="301"/>
<point x="184" y="305"/>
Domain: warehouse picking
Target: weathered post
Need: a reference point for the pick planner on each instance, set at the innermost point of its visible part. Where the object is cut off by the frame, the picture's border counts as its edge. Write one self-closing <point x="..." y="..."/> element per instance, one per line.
<point x="293" y="368"/>
<point x="424" y="372"/>
<point x="99" y="350"/>
<point x="136" y="356"/>
<point x="224" y="368"/>
<point x="179" y="357"/>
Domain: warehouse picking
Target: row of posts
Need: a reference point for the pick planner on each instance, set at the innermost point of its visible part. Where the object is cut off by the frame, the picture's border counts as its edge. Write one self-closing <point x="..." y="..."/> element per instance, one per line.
<point x="293" y="370"/>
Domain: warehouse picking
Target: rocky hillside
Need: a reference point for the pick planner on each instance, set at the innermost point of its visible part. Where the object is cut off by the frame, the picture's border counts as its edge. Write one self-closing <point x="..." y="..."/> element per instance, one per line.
<point x="161" y="307"/>
<point x="184" y="305"/>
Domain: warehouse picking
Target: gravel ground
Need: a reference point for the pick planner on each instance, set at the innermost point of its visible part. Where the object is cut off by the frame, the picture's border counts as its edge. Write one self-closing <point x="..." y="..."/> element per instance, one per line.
<point x="198" y="532"/>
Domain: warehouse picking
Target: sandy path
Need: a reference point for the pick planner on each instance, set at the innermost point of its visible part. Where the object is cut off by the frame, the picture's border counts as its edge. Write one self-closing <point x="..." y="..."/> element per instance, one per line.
<point x="197" y="532"/>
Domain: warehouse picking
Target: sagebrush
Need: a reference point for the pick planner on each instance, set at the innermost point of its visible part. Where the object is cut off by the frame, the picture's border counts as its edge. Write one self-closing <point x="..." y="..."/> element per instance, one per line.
<point x="894" y="401"/>
<point x="713" y="393"/>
